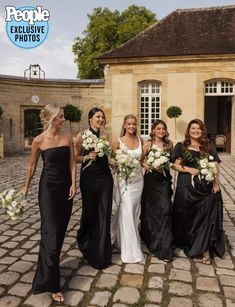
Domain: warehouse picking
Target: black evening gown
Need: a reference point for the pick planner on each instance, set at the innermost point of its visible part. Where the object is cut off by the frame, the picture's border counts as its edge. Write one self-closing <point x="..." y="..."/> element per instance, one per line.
<point x="96" y="184"/>
<point x="197" y="211"/>
<point x="156" y="211"/>
<point x="55" y="210"/>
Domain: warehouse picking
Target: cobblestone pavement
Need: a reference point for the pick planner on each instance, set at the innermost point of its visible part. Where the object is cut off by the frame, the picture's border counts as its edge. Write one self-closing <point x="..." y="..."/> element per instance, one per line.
<point x="182" y="283"/>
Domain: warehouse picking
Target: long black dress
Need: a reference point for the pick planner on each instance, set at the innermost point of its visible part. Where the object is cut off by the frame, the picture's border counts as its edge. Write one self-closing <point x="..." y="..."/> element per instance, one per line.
<point x="55" y="210"/>
<point x="197" y="211"/>
<point x="156" y="211"/>
<point x="96" y="184"/>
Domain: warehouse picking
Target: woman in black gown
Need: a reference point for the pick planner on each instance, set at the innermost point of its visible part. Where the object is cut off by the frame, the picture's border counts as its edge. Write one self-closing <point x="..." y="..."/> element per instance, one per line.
<point x="57" y="188"/>
<point x="96" y="186"/>
<point x="198" y="206"/>
<point x="156" y="205"/>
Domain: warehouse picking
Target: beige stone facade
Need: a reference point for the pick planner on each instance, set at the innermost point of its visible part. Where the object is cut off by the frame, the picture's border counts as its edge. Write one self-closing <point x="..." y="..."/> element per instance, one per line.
<point x="182" y="81"/>
<point x="16" y="96"/>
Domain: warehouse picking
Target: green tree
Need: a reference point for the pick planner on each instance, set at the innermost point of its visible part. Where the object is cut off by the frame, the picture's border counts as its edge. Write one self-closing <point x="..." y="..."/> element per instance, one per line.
<point x="174" y="112"/>
<point x="105" y="31"/>
<point x="72" y="114"/>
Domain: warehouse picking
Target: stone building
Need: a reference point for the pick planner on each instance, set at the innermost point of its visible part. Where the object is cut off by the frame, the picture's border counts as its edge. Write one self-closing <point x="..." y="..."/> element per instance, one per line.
<point x="19" y="95"/>
<point x="188" y="60"/>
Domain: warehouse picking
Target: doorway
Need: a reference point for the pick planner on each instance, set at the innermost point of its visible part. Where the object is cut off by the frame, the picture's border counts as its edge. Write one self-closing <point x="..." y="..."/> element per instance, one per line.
<point x="218" y="114"/>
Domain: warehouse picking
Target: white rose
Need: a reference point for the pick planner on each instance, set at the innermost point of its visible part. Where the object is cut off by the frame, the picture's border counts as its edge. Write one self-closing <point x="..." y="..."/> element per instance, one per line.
<point x="204" y="171"/>
<point x="203" y="165"/>
<point x="157" y="154"/>
<point x="101" y="154"/>
<point x="212" y="164"/>
<point x="100" y="145"/>
<point x="150" y="159"/>
<point x="211" y="158"/>
<point x="151" y="154"/>
<point x="136" y="162"/>
<point x="156" y="163"/>
<point x="209" y="177"/>
<point x="89" y="140"/>
<point x="154" y="146"/>
<point x="14" y="203"/>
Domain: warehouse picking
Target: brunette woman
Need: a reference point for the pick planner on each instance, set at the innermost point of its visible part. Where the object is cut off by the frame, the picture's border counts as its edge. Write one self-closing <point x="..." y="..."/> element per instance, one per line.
<point x="96" y="186"/>
<point x="197" y="207"/>
<point x="156" y="205"/>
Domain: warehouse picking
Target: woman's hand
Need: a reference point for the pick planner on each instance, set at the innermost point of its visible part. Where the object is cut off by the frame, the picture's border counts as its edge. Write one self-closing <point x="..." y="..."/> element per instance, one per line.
<point x="23" y="191"/>
<point x="146" y="166"/>
<point x="92" y="155"/>
<point x="72" y="192"/>
<point x="193" y="171"/>
<point x="216" y="187"/>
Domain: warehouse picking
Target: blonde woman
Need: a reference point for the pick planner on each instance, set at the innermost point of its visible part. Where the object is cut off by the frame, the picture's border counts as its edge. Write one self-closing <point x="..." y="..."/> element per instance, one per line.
<point x="128" y="239"/>
<point x="57" y="188"/>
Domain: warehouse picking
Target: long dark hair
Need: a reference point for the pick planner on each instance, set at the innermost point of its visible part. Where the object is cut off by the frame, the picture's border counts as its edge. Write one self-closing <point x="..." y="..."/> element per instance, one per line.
<point x="203" y="141"/>
<point x="166" y="141"/>
<point x="92" y="112"/>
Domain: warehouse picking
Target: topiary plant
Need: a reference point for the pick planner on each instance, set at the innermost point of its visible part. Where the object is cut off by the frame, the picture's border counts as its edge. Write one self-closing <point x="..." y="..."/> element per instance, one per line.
<point x="72" y="114"/>
<point x="174" y="112"/>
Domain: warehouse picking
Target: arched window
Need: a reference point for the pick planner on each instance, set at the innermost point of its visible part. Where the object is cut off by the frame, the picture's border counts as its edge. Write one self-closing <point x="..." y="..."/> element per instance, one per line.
<point x="150" y="105"/>
<point x="219" y="88"/>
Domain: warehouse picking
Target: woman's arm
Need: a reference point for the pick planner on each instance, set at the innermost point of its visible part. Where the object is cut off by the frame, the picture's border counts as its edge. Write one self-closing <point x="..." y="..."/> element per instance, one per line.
<point x="177" y="166"/>
<point x="216" y="187"/>
<point x="146" y="148"/>
<point x="73" y="170"/>
<point x="35" y="152"/>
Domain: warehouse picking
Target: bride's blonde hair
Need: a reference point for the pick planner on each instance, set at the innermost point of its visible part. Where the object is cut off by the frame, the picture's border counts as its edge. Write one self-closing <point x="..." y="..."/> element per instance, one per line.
<point x="128" y="116"/>
<point x="47" y="115"/>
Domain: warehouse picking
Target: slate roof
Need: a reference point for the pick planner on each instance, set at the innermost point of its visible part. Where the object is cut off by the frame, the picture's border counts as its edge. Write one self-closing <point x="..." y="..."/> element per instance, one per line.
<point x="183" y="32"/>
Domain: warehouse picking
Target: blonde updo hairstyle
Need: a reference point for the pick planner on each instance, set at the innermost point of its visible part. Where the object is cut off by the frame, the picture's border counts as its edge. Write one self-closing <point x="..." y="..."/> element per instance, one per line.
<point x="128" y="116"/>
<point x="48" y="114"/>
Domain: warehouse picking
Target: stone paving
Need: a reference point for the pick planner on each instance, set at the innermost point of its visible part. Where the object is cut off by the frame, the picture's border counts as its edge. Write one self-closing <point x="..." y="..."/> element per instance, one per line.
<point x="151" y="283"/>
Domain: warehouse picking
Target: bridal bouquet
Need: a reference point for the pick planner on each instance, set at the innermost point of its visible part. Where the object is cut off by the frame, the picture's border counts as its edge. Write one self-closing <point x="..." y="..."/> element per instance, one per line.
<point x="158" y="158"/>
<point x="102" y="147"/>
<point x="124" y="163"/>
<point x="207" y="167"/>
<point x="13" y="203"/>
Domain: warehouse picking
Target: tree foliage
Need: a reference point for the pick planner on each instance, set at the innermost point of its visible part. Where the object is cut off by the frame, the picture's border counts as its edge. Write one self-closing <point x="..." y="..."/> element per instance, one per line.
<point x="72" y="114"/>
<point x="105" y="31"/>
<point x="174" y="112"/>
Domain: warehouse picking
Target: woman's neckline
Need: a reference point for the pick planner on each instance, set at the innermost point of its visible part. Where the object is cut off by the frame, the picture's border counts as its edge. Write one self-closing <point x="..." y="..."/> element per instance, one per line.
<point x="54" y="147"/>
<point x="97" y="133"/>
<point x="131" y="148"/>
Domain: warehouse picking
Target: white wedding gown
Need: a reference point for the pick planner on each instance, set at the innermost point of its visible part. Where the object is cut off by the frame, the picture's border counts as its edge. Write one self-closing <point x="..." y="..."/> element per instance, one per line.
<point x="127" y="218"/>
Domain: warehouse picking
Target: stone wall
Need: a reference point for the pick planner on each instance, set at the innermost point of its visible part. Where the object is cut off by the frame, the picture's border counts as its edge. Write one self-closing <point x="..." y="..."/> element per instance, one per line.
<point x="16" y="96"/>
<point x="182" y="84"/>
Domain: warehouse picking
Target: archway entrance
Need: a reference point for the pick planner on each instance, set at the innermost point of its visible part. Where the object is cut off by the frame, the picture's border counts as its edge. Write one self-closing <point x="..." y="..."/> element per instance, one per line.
<point x="218" y="111"/>
<point x="32" y="126"/>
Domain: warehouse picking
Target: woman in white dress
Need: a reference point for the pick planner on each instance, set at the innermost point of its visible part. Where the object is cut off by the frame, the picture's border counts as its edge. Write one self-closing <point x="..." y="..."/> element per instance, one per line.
<point x="128" y="213"/>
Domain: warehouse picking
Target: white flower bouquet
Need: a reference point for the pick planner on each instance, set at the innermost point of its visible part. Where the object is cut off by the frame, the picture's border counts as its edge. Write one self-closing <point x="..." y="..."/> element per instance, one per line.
<point x="89" y="140"/>
<point x="125" y="164"/>
<point x="92" y="143"/>
<point x="13" y="203"/>
<point x="208" y="169"/>
<point x="158" y="159"/>
<point x="102" y="147"/>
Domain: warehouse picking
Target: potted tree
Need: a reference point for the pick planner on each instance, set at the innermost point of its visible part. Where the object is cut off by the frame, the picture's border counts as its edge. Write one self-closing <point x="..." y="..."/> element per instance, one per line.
<point x="72" y="114"/>
<point x="174" y="112"/>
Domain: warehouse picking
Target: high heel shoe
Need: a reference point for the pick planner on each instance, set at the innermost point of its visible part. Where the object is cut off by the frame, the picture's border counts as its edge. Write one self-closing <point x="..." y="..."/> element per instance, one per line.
<point x="57" y="297"/>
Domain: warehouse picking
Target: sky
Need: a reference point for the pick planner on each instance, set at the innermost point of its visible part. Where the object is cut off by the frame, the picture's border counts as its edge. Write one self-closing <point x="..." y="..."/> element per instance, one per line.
<point x="68" y="19"/>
